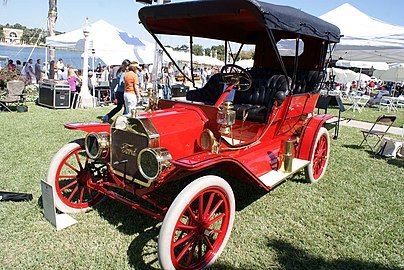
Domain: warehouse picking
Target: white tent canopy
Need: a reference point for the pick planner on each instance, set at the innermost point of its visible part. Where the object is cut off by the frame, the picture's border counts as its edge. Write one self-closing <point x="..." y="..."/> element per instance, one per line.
<point x="245" y="63"/>
<point x="207" y="60"/>
<point x="345" y="76"/>
<point x="109" y="43"/>
<point x="366" y="38"/>
<point x="362" y="64"/>
<point x="185" y="57"/>
<point x="394" y="74"/>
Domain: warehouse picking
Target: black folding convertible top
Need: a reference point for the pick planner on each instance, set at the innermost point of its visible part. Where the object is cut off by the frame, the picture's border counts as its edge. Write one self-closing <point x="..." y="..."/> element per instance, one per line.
<point x="240" y="21"/>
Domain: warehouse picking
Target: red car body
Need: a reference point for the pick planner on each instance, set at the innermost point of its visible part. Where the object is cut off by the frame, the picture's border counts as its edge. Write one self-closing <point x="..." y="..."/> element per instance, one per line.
<point x="273" y="136"/>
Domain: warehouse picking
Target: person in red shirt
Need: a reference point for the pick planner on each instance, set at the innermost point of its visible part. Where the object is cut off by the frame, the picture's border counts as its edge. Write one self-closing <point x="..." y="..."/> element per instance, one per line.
<point x="132" y="91"/>
<point x="10" y="65"/>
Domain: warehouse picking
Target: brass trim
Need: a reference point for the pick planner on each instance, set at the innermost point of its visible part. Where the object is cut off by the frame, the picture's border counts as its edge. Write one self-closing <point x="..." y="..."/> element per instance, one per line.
<point x="212" y="141"/>
<point x="163" y="158"/>
<point x="147" y="125"/>
<point x="288" y="156"/>
<point x="135" y="180"/>
<point x="104" y="144"/>
<point x="151" y="132"/>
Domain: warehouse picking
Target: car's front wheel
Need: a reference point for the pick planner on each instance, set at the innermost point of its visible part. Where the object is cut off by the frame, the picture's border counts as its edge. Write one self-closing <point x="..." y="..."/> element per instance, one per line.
<point x="319" y="158"/>
<point x="197" y="225"/>
<point x="68" y="174"/>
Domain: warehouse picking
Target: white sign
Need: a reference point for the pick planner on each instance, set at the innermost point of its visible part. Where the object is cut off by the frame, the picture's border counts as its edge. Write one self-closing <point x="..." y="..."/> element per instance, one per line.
<point x="59" y="221"/>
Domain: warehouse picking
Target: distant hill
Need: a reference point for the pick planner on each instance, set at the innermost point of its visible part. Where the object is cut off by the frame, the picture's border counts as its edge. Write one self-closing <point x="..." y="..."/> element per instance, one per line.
<point x="30" y="35"/>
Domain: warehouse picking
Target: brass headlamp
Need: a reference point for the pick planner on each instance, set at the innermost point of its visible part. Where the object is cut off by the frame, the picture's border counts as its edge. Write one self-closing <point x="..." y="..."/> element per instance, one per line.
<point x="97" y="145"/>
<point x="226" y="117"/>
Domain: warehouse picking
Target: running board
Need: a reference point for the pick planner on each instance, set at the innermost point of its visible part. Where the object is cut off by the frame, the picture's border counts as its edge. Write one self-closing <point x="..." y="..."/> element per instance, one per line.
<point x="274" y="178"/>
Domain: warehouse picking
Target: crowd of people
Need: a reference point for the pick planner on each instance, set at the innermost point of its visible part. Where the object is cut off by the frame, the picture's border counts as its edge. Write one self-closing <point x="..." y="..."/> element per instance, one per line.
<point x="27" y="71"/>
<point x="170" y="77"/>
<point x="368" y="87"/>
<point x="125" y="81"/>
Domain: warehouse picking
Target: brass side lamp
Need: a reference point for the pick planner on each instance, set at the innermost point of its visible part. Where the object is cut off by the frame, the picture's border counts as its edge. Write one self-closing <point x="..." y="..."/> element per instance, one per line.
<point x="226" y="117"/>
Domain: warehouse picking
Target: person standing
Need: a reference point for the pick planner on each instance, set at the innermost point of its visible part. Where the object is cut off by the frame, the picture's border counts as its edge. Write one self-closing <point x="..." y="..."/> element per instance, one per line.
<point x="119" y="91"/>
<point x="29" y="72"/>
<point x="140" y="75"/>
<point x="18" y="66"/>
<point x="72" y="79"/>
<point x="132" y="91"/>
<point x="52" y="70"/>
<point x="187" y="73"/>
<point x="204" y="76"/>
<point x="10" y="65"/>
<point x="60" y="66"/>
<point x="38" y="71"/>
<point x="171" y="77"/>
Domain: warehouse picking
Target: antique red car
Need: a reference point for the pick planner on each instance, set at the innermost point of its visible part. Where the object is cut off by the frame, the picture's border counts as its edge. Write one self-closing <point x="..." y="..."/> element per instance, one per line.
<point x="257" y="126"/>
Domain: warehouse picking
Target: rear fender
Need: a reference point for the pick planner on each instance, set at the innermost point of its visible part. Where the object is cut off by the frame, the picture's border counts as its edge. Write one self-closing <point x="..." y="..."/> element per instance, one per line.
<point x="89" y="127"/>
<point x="309" y="134"/>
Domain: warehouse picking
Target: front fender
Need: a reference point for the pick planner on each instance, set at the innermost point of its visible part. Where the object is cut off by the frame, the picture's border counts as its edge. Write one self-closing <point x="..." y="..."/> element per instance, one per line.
<point x="309" y="134"/>
<point x="89" y="127"/>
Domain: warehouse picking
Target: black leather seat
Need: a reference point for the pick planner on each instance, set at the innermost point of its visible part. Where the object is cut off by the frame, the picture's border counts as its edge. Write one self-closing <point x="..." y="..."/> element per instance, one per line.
<point x="208" y="94"/>
<point x="308" y="81"/>
<point x="257" y="102"/>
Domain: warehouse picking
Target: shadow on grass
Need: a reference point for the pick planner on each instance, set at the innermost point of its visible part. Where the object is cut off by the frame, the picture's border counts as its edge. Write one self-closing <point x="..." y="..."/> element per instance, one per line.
<point x="224" y="266"/>
<point x="245" y="193"/>
<point x="293" y="258"/>
<point x="142" y="252"/>
<point x="353" y="146"/>
<point x="125" y="219"/>
<point x="396" y="162"/>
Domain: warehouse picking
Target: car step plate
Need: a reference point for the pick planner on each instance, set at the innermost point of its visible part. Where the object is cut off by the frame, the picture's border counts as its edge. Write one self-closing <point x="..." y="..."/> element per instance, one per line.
<point x="273" y="178"/>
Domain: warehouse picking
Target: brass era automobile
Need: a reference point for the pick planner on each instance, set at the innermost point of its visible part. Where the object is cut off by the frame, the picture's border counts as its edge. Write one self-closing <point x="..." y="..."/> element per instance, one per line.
<point x="255" y="126"/>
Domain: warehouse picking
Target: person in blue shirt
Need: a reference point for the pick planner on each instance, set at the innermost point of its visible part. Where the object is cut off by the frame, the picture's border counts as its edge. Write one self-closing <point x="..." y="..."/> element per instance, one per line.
<point x="119" y="91"/>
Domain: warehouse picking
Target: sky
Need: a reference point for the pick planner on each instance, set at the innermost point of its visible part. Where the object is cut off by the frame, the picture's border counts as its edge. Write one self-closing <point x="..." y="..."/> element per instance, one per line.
<point x="123" y="13"/>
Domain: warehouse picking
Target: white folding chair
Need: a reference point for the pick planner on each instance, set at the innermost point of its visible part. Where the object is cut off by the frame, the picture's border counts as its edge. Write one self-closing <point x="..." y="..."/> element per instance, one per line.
<point x="361" y="103"/>
<point x="400" y="102"/>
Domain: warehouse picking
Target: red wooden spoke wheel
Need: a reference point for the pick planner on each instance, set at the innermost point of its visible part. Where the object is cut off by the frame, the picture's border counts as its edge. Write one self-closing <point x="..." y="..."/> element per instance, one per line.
<point x="319" y="158"/>
<point x="68" y="175"/>
<point x="197" y="226"/>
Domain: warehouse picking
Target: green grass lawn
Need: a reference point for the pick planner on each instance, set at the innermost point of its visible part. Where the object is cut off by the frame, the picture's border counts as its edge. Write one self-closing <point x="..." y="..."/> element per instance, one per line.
<point x="352" y="219"/>
<point x="369" y="114"/>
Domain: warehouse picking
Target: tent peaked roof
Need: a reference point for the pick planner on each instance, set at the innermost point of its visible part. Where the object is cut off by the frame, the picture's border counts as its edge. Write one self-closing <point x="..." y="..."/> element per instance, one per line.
<point x="109" y="43"/>
<point x="362" y="30"/>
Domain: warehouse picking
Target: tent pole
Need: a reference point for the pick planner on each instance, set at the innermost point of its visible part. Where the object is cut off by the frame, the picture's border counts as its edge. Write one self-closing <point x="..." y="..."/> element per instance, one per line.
<point x="191" y="44"/>
<point x="46" y="62"/>
<point x="225" y="52"/>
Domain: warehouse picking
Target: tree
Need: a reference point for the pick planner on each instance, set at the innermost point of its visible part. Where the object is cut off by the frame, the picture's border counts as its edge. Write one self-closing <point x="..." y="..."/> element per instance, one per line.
<point x="218" y="51"/>
<point x="208" y="51"/>
<point x="246" y="55"/>
<point x="197" y="49"/>
<point x="52" y="17"/>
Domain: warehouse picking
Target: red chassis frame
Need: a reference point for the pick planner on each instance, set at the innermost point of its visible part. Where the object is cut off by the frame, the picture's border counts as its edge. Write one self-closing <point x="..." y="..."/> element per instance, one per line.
<point x="292" y="119"/>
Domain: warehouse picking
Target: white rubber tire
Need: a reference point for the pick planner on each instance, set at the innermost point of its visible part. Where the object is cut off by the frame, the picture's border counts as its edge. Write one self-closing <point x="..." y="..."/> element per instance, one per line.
<point x="176" y="209"/>
<point x="309" y="169"/>
<point x="51" y="176"/>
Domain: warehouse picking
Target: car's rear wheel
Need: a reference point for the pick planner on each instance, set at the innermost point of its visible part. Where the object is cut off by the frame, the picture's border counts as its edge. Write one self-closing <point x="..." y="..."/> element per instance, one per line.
<point x="197" y="225"/>
<point x="319" y="157"/>
<point x="68" y="174"/>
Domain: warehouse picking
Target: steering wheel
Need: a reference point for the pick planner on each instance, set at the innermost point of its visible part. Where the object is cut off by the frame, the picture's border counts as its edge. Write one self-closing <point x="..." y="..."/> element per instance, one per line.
<point x="236" y="75"/>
